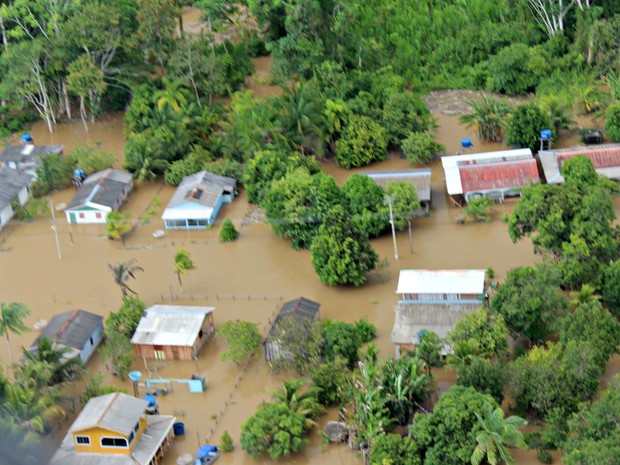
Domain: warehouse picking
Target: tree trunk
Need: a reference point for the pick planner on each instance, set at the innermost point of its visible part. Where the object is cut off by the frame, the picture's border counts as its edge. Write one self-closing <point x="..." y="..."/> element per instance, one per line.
<point x="5" y="41"/>
<point x="65" y="95"/>
<point x="181" y="32"/>
<point x="180" y="283"/>
<point x="8" y="343"/>
<point x="83" y="112"/>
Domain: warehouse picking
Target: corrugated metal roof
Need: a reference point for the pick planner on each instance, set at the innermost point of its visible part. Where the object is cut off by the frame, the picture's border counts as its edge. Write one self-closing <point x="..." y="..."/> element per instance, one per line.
<point x="441" y="282"/>
<point x="157" y="429"/>
<point x="420" y="179"/>
<point x="28" y="152"/>
<point x="103" y="188"/>
<point x="605" y="159"/>
<point x="451" y="164"/>
<point x="300" y="308"/>
<point x="115" y="412"/>
<point x="201" y="188"/>
<point x="170" y="325"/>
<point x="71" y="329"/>
<point x="492" y="176"/>
<point x="11" y="183"/>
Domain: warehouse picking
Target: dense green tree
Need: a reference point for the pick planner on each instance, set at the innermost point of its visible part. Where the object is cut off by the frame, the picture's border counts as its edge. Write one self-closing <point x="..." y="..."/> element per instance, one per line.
<point x="12" y="322"/>
<point x="405" y="202"/>
<point x="554" y="377"/>
<point x="268" y="166"/>
<point x="156" y="27"/>
<point x="331" y="379"/>
<point x="140" y="109"/>
<point x="362" y="142"/>
<point x="118" y="225"/>
<point x="516" y="69"/>
<point x="496" y="436"/>
<point x="591" y="324"/>
<point x="420" y="148"/>
<point x="484" y="328"/>
<point x="274" y="430"/>
<point x="483" y="375"/>
<point x="611" y="288"/>
<point x="612" y="122"/>
<point x="447" y="435"/>
<point x="395" y="450"/>
<point x="126" y="319"/>
<point x="530" y="302"/>
<point x="31" y="408"/>
<point x="524" y="126"/>
<point x="173" y="96"/>
<point x="243" y="339"/>
<point x="122" y="271"/>
<point x="341" y="253"/>
<point x="341" y="339"/>
<point x="53" y="173"/>
<point x="118" y="354"/>
<point x="193" y="163"/>
<point x="91" y="158"/>
<point x="86" y="81"/>
<point x="404" y="113"/>
<point x="487" y="118"/>
<point x="429" y="350"/>
<point x="302" y="115"/>
<point x="365" y="200"/>
<point x="300" y="342"/>
<point x="62" y="367"/>
<point x="299" y="399"/>
<point x="296" y="205"/>
<point x="228" y="233"/>
<point x="595" y="437"/>
<point x="336" y="117"/>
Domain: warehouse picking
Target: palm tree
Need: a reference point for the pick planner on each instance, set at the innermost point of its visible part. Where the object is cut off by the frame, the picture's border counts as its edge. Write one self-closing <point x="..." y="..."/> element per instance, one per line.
<point x="122" y="271"/>
<point x="12" y="322"/>
<point x="487" y="118"/>
<point x="173" y="95"/>
<point x="586" y="294"/>
<point x="336" y="116"/>
<point x="496" y="436"/>
<point x="558" y="113"/>
<point x="30" y="407"/>
<point x="301" y="113"/>
<point x="63" y="368"/>
<point x="182" y="264"/>
<point x="300" y="403"/>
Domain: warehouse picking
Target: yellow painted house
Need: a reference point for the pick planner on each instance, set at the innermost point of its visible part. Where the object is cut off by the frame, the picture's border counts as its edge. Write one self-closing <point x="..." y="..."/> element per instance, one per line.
<point x="114" y="430"/>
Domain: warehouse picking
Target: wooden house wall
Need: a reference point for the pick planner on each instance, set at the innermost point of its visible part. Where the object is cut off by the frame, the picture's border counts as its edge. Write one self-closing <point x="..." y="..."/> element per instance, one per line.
<point x="95" y="435"/>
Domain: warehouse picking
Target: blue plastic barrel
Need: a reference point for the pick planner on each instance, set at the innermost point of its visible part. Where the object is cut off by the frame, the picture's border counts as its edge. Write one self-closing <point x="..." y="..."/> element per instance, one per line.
<point x="178" y="428"/>
<point x="545" y="134"/>
<point x="151" y="400"/>
<point x="26" y="138"/>
<point x="466" y="143"/>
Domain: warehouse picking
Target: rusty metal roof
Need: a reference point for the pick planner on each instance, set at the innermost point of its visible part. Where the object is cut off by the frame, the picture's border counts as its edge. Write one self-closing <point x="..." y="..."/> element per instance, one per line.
<point x="504" y="175"/>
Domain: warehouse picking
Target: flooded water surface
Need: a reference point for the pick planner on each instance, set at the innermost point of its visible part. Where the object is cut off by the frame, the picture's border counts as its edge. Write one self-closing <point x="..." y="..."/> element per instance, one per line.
<point x="248" y="279"/>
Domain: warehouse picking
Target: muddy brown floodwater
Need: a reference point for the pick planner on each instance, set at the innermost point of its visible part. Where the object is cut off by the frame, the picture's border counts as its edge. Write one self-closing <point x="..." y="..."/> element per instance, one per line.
<point x="247" y="279"/>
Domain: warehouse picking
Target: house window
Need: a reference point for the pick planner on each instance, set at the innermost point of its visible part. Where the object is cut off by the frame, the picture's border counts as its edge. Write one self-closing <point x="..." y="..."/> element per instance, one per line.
<point x="159" y="352"/>
<point x="113" y="442"/>
<point x="92" y="342"/>
<point x="81" y="215"/>
<point x="137" y="427"/>
<point x="82" y="440"/>
<point x="98" y="215"/>
<point x="132" y="435"/>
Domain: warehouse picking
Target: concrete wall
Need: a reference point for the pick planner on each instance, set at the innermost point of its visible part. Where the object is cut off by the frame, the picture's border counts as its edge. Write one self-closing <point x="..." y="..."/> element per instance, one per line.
<point x="89" y="348"/>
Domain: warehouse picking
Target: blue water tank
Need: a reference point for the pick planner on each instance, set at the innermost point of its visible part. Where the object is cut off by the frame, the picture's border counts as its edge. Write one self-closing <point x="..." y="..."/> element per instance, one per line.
<point x="151" y="400"/>
<point x="178" y="428"/>
<point x="545" y="134"/>
<point x="466" y="143"/>
<point x="26" y="138"/>
<point x="135" y="376"/>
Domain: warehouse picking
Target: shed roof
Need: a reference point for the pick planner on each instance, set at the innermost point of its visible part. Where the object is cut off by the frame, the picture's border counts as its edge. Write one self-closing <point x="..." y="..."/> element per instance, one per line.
<point x="605" y="159"/>
<point x="420" y="179"/>
<point x="441" y="282"/>
<point x="300" y="309"/>
<point x="103" y="188"/>
<point x="11" y="182"/>
<point x="451" y="164"/>
<point x="28" y="152"/>
<point x="116" y="412"/>
<point x="71" y="329"/>
<point x="170" y="325"/>
<point x="493" y="176"/>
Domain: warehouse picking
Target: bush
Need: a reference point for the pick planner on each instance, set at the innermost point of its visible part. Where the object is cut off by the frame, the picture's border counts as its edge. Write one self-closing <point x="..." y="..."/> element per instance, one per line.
<point x="525" y="125"/>
<point x="420" y="148"/>
<point x="226" y="443"/>
<point x="544" y="456"/>
<point x="35" y="208"/>
<point x="612" y="122"/>
<point x="363" y="141"/>
<point x="228" y="233"/>
<point x="516" y="69"/>
<point x="366" y="330"/>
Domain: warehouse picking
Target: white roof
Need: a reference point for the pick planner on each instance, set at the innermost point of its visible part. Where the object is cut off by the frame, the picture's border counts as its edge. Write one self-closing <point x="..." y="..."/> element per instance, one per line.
<point x="191" y="213"/>
<point x="441" y="282"/>
<point x="451" y="165"/>
<point x="170" y="325"/>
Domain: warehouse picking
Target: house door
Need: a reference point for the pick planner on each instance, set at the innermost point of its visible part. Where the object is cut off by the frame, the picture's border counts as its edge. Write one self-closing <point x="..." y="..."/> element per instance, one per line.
<point x="175" y="353"/>
<point x="71" y="217"/>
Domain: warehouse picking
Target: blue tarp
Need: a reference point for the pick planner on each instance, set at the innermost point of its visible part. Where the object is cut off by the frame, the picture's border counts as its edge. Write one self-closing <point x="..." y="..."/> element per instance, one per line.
<point x="205" y="450"/>
<point x="151" y="400"/>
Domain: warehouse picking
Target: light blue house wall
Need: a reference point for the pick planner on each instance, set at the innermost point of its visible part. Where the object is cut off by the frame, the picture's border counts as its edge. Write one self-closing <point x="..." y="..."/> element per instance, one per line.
<point x="192" y="221"/>
<point x="91" y="344"/>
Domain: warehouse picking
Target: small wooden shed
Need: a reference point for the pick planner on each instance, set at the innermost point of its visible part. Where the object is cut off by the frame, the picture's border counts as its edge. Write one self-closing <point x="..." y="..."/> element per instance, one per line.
<point x="173" y="332"/>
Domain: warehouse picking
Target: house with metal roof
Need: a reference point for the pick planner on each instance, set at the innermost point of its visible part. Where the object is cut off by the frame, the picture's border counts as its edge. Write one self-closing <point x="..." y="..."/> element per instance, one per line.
<point x="420" y="179"/>
<point x="605" y="158"/>
<point x="300" y="309"/>
<point x="14" y="188"/>
<point x="173" y="332"/>
<point x="27" y="157"/>
<point x="434" y="300"/>
<point x="77" y="330"/>
<point x="198" y="200"/>
<point x="99" y="194"/>
<point x="115" y="430"/>
<point x="494" y="174"/>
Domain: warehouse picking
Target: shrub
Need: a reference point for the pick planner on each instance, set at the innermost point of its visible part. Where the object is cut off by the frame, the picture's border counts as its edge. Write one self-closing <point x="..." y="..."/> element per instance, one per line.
<point x="362" y="142"/>
<point x="544" y="456"/>
<point x="228" y="233"/>
<point x="612" y="122"/>
<point x="366" y="330"/>
<point x="516" y="69"/>
<point x="525" y="125"/>
<point x="420" y="148"/>
<point x="490" y="272"/>
<point x="226" y="443"/>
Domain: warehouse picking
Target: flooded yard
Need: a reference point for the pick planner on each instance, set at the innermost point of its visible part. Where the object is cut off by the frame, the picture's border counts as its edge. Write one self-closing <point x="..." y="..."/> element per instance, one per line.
<point x="247" y="279"/>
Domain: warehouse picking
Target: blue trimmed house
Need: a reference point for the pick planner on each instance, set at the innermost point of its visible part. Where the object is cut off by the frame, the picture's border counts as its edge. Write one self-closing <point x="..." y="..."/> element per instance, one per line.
<point x="198" y="200"/>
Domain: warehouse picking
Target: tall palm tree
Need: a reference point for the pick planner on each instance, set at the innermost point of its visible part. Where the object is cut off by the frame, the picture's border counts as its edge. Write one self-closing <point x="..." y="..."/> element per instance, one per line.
<point x="301" y="113"/>
<point x="122" y="271"/>
<point x="173" y="95"/>
<point x="30" y="407"/>
<point x="182" y="264"/>
<point x="487" y="118"/>
<point x="496" y="436"/>
<point x="63" y="368"/>
<point x="12" y="322"/>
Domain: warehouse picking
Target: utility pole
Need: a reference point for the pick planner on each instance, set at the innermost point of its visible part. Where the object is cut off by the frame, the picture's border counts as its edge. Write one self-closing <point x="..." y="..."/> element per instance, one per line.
<point x="51" y="204"/>
<point x="390" y="201"/>
<point x="410" y="238"/>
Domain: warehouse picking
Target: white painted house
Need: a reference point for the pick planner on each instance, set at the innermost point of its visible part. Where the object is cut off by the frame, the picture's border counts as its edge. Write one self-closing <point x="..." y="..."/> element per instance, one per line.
<point x="99" y="194"/>
<point x="14" y="186"/>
